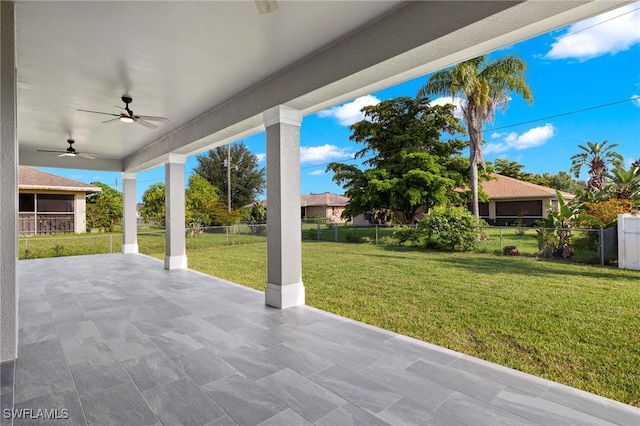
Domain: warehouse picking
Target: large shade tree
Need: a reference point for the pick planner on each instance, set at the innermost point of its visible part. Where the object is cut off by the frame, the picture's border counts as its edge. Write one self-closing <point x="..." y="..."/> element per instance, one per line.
<point x="410" y="166"/>
<point x="247" y="178"/>
<point x="597" y="157"/>
<point x="484" y="87"/>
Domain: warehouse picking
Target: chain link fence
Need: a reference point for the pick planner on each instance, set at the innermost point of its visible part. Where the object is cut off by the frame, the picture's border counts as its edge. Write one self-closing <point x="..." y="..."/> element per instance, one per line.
<point x="595" y="246"/>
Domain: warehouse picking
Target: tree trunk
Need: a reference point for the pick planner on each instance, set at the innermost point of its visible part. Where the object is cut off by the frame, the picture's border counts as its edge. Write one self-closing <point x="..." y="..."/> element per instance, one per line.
<point x="475" y="138"/>
<point x="474" y="185"/>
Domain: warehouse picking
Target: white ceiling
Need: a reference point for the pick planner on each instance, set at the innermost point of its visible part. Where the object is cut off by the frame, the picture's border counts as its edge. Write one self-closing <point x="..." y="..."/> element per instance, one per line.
<point x="212" y="67"/>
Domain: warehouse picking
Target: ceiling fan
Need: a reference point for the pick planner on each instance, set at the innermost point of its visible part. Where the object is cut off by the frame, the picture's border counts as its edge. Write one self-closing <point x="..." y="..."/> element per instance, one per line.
<point x="71" y="152"/>
<point x="266" y="6"/>
<point x="127" y="116"/>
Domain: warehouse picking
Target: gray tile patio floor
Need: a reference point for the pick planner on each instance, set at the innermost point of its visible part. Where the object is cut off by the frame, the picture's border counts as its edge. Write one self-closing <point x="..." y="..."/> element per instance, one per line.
<point x="118" y="340"/>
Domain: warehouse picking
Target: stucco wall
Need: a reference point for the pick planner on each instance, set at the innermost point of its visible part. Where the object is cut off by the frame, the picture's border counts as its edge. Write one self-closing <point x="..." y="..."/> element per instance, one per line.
<point x="331" y="214"/>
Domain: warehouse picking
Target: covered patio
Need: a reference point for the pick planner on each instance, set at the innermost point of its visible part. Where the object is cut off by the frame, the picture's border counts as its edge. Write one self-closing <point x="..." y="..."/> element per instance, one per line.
<point x="118" y="340"/>
<point x="128" y="336"/>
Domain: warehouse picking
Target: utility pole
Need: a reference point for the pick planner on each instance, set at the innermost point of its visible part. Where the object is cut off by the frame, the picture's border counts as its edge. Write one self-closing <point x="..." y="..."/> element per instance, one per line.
<point x="229" y="178"/>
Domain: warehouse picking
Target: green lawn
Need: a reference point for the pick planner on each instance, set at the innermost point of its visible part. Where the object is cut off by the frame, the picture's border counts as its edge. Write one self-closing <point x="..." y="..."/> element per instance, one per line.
<point x="574" y="324"/>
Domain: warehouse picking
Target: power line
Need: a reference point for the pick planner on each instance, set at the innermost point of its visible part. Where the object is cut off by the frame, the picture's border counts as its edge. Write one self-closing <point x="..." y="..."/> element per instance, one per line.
<point x="633" y="98"/>
<point x="562" y="114"/>
<point x="596" y="24"/>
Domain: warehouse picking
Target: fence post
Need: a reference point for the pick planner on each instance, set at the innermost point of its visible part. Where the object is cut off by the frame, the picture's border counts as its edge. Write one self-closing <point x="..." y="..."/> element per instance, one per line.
<point x="601" y="245"/>
<point x="501" y="248"/>
<point x="227" y="232"/>
<point x="335" y="232"/>
<point x="26" y="248"/>
<point x="110" y="243"/>
<point x="318" y="229"/>
<point x="376" y="233"/>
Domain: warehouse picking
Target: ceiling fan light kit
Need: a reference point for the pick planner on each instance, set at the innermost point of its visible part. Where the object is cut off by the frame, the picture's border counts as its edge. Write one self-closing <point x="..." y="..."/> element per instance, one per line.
<point x="71" y="152"/>
<point x="127" y="115"/>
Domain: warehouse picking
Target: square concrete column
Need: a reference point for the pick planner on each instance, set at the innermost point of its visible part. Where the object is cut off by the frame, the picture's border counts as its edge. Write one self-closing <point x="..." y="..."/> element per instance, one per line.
<point x="176" y="253"/>
<point x="284" y="227"/>
<point x="8" y="187"/>
<point x="129" y="216"/>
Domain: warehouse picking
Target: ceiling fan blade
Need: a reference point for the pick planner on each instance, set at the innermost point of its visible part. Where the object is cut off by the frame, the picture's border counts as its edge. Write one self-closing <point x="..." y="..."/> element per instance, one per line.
<point x="266" y="6"/>
<point x="68" y="154"/>
<point x="47" y="150"/>
<point x="98" y="112"/>
<point x="88" y="155"/>
<point x="113" y="120"/>
<point x="145" y="123"/>
<point x="151" y="118"/>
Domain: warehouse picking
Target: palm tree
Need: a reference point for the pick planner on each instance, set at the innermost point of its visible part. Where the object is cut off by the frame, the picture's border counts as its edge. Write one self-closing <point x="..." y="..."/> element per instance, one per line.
<point x="484" y="87"/>
<point x="625" y="184"/>
<point x="598" y="156"/>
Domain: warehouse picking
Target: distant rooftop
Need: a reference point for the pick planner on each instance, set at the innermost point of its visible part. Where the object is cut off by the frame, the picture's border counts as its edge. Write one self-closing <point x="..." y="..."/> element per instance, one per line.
<point x="506" y="187"/>
<point x="324" y="199"/>
<point x="30" y="178"/>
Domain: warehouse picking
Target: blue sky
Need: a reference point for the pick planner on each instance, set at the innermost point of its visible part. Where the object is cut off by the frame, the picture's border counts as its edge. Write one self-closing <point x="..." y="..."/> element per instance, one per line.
<point x="585" y="79"/>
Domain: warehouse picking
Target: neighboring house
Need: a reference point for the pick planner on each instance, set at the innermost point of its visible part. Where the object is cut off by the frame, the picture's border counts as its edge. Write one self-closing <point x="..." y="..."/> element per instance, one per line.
<point x="509" y="197"/>
<point x="330" y="206"/>
<point x="50" y="204"/>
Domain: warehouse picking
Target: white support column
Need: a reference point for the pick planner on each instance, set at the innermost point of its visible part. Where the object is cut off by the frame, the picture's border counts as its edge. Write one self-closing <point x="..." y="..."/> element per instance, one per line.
<point x="8" y="187"/>
<point x="129" y="216"/>
<point x="176" y="253"/>
<point x="284" y="228"/>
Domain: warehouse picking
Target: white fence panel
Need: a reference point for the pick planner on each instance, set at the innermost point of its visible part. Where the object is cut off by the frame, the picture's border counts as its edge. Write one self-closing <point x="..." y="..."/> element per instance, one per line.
<point x="629" y="242"/>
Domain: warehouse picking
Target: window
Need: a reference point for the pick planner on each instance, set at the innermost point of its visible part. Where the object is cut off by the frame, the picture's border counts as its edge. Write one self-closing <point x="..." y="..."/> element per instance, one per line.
<point x="513" y="208"/>
<point x="483" y="209"/>
<point x="27" y="203"/>
<point x="46" y="213"/>
<point x="50" y="203"/>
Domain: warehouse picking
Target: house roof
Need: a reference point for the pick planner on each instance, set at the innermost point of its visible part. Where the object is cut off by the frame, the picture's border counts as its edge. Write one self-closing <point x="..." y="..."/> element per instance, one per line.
<point x="503" y="187"/>
<point x="30" y="178"/>
<point x="326" y="199"/>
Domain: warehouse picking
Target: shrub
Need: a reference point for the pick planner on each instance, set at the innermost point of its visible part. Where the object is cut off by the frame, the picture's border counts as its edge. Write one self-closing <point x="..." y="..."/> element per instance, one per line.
<point x="406" y="234"/>
<point x="455" y="228"/>
<point x="606" y="211"/>
<point x="519" y="223"/>
<point x="354" y="237"/>
<point x="310" y="234"/>
<point x="547" y="242"/>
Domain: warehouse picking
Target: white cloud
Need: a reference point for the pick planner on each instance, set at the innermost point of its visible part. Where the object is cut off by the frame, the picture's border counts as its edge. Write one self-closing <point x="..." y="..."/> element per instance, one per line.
<point x="449" y="100"/>
<point x="261" y="156"/>
<point x="636" y="99"/>
<point x="322" y="153"/>
<point x="349" y="113"/>
<point x="529" y="139"/>
<point x="595" y="37"/>
<point x="317" y="172"/>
